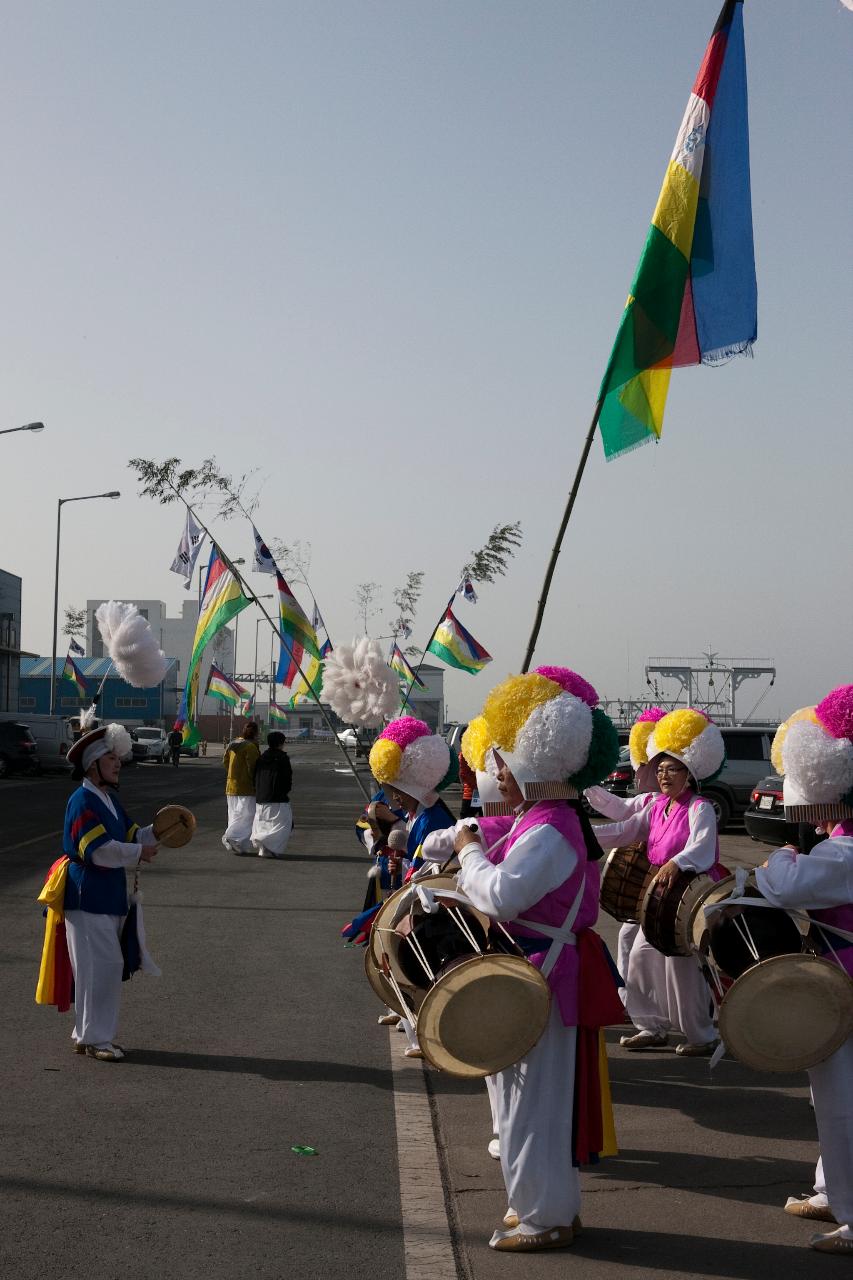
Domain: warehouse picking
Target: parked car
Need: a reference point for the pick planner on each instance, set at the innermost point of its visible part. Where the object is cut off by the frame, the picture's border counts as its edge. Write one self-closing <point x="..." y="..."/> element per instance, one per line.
<point x="149" y="743"/>
<point x="54" y="737"/>
<point x="765" y="819"/>
<point x="620" y="781"/>
<point x="747" y="762"/>
<point x="18" y="749"/>
<point x="453" y="736"/>
<point x="347" y="737"/>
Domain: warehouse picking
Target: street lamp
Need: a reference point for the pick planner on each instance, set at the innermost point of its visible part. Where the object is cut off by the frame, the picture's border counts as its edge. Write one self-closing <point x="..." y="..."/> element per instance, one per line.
<point x="258" y="622"/>
<point x="86" y="497"/>
<point x="30" y="426"/>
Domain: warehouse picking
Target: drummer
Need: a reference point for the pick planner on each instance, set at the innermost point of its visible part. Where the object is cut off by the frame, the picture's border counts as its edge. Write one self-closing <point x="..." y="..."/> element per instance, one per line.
<point x="101" y="844"/>
<point x="411" y="764"/>
<point x="817" y="758"/>
<point x="549" y="741"/>
<point x="680" y="829"/>
<point x="620" y="807"/>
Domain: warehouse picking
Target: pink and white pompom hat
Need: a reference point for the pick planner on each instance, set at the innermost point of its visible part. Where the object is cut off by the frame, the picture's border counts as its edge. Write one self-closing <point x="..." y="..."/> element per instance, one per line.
<point x="814" y="751"/>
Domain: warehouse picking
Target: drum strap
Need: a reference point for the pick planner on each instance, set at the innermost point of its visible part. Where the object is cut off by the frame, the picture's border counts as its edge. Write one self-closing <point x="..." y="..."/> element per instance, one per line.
<point x="562" y="936"/>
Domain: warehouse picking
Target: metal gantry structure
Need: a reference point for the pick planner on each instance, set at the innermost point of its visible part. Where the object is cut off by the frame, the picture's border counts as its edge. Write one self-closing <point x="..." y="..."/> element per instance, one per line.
<point x="709" y="683"/>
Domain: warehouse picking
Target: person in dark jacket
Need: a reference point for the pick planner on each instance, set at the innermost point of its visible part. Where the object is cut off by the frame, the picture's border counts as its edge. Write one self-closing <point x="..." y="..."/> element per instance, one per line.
<point x="273" y="820"/>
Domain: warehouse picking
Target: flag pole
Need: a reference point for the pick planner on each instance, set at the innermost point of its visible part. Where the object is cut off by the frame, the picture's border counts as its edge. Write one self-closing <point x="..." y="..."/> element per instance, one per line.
<point x="555" y="551"/>
<point x="405" y="701"/>
<point x="250" y="594"/>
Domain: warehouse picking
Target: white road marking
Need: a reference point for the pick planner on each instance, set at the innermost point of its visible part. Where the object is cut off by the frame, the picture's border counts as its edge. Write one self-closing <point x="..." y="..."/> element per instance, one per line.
<point x="426" y="1230"/>
<point x="22" y="844"/>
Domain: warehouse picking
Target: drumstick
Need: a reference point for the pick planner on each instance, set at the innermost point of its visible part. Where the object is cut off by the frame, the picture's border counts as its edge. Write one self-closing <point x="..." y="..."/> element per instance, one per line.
<point x="472" y="827"/>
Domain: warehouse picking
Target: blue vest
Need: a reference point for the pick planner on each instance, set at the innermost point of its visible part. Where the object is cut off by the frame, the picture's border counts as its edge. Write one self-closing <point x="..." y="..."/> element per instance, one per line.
<point x="88" y="825"/>
<point x="435" y="818"/>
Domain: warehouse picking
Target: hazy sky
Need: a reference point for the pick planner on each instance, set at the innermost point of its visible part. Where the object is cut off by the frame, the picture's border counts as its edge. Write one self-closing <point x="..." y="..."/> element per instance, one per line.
<point x="379" y="251"/>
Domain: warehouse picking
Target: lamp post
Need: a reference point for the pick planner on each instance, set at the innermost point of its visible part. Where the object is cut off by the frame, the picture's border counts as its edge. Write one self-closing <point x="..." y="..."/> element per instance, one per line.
<point x="258" y="622"/>
<point x="30" y="426"/>
<point x="86" y="497"/>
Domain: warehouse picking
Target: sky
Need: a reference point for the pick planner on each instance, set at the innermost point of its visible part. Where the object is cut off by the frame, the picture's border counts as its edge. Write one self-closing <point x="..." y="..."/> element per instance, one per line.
<point x="376" y="252"/>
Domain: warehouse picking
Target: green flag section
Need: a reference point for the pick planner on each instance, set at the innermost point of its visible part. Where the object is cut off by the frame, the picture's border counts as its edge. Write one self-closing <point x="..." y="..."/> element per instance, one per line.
<point x="222" y="599"/>
<point x="693" y="299"/>
<point x="457" y="647"/>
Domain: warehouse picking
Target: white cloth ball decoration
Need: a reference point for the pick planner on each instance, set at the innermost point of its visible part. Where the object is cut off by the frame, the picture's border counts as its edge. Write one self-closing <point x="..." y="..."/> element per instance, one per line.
<point x="818" y="767"/>
<point x="359" y="685"/>
<point x="554" y="742"/>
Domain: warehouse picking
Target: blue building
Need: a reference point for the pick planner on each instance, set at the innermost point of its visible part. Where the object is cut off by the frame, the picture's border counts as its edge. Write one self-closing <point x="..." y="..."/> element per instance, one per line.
<point x="119" y="700"/>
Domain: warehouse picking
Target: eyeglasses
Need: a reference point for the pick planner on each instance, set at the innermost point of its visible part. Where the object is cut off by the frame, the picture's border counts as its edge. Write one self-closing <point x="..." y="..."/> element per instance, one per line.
<point x="668" y="771"/>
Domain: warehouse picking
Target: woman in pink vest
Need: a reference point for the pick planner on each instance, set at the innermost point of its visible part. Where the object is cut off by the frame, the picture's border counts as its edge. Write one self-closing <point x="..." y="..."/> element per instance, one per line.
<point x="814" y="750"/>
<point x="534" y="871"/>
<point x="680" y="829"/>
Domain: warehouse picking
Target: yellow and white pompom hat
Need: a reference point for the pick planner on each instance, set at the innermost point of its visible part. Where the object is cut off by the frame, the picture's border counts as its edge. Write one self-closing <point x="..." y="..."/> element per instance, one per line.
<point x="690" y="737"/>
<point x="409" y="757"/>
<point x="546" y="727"/>
<point x="813" y="750"/>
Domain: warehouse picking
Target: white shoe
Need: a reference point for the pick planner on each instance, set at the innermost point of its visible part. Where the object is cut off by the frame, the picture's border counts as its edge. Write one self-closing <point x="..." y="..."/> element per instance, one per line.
<point x="494" y="1149"/>
<point x="265" y="853"/>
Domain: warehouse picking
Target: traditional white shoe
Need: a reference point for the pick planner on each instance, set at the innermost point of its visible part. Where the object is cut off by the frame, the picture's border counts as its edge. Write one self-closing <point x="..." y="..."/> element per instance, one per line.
<point x="840" y="1241"/>
<point x="806" y="1208"/>
<point x="105" y="1052"/>
<point x="696" y="1050"/>
<point x="494" y="1150"/>
<point x="265" y="853"/>
<point x="519" y="1241"/>
<point x="413" y="1052"/>
<point x="511" y="1221"/>
<point x="645" y="1040"/>
<point x="389" y="1020"/>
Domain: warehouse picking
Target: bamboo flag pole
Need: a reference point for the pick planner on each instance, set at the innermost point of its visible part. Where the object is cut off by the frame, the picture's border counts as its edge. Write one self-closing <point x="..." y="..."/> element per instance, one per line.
<point x="248" y="591"/>
<point x="552" y="563"/>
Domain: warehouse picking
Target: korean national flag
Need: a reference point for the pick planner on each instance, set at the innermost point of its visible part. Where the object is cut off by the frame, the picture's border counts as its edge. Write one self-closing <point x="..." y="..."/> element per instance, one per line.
<point x="263" y="561"/>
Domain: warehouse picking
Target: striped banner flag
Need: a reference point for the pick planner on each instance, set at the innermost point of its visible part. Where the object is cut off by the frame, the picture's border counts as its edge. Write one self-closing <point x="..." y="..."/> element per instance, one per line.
<point x="457" y="647"/>
<point x="693" y="299"/>
<point x="221" y="686"/>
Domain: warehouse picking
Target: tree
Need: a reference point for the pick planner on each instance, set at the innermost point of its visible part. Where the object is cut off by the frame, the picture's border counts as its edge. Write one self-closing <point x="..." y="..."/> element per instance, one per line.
<point x="492" y="560"/>
<point x="364" y="593"/>
<point x="75" y="622"/>
<point x="406" y="603"/>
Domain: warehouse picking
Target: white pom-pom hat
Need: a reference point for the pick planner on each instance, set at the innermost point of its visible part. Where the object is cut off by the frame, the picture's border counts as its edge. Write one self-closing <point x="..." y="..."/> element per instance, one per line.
<point x="359" y="685"/>
<point x="410" y="758"/>
<point x="98" y="742"/>
<point x="543" y="725"/>
<point x="815" y="749"/>
<point x="690" y="737"/>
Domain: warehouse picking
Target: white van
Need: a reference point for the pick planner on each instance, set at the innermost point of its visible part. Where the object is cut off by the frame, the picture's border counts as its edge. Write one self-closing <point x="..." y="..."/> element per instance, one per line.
<point x="54" y="736"/>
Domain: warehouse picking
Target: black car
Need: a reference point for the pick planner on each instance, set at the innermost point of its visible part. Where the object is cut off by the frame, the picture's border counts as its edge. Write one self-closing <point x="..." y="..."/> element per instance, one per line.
<point x="18" y="749"/>
<point x="765" y="818"/>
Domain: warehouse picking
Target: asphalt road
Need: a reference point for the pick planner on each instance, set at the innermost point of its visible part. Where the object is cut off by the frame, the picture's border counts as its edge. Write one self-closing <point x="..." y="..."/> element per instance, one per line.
<point x="261" y="1035"/>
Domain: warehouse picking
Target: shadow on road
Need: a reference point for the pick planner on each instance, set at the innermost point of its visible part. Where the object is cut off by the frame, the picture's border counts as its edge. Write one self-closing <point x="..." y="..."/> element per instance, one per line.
<point x="689" y="1255"/>
<point x="303" y="1070"/>
<point x="755" y="1179"/>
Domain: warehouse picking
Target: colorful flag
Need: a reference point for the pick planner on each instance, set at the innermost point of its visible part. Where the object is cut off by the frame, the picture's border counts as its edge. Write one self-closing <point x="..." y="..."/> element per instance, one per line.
<point x="297" y="635"/>
<point x="398" y="663"/>
<point x="277" y="713"/>
<point x="317" y="619"/>
<point x="76" y="649"/>
<point x="263" y="561"/>
<point x="72" y="672"/>
<point x="457" y="647"/>
<point x="188" y="549"/>
<point x="221" y="686"/>
<point x="405" y="630"/>
<point x="313" y="680"/>
<point x="247" y="706"/>
<point x="325" y="648"/>
<point x="466" y="589"/>
<point x="221" y="600"/>
<point x="693" y="299"/>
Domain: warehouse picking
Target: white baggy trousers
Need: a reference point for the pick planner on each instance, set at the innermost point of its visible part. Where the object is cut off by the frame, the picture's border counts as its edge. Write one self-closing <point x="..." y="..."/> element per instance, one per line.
<point x="667" y="992"/>
<point x="95" y="950"/>
<point x="832" y="1089"/>
<point x="533" y="1103"/>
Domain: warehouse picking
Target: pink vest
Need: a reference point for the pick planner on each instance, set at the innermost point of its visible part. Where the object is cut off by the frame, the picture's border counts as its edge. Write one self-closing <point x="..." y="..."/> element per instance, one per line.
<point x="840" y="916"/>
<point x="555" y="906"/>
<point x="668" y="836"/>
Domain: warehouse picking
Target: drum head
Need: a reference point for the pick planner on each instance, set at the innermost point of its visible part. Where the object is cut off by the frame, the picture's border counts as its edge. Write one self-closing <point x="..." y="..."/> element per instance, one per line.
<point x="772" y="930"/>
<point x="715" y="893"/>
<point x="788" y="1013"/>
<point x="483" y="1015"/>
<point x="174" y="826"/>
<point x="380" y="939"/>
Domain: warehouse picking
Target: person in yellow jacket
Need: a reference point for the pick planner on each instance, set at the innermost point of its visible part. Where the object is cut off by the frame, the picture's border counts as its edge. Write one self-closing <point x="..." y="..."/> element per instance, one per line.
<point x="240" y="759"/>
